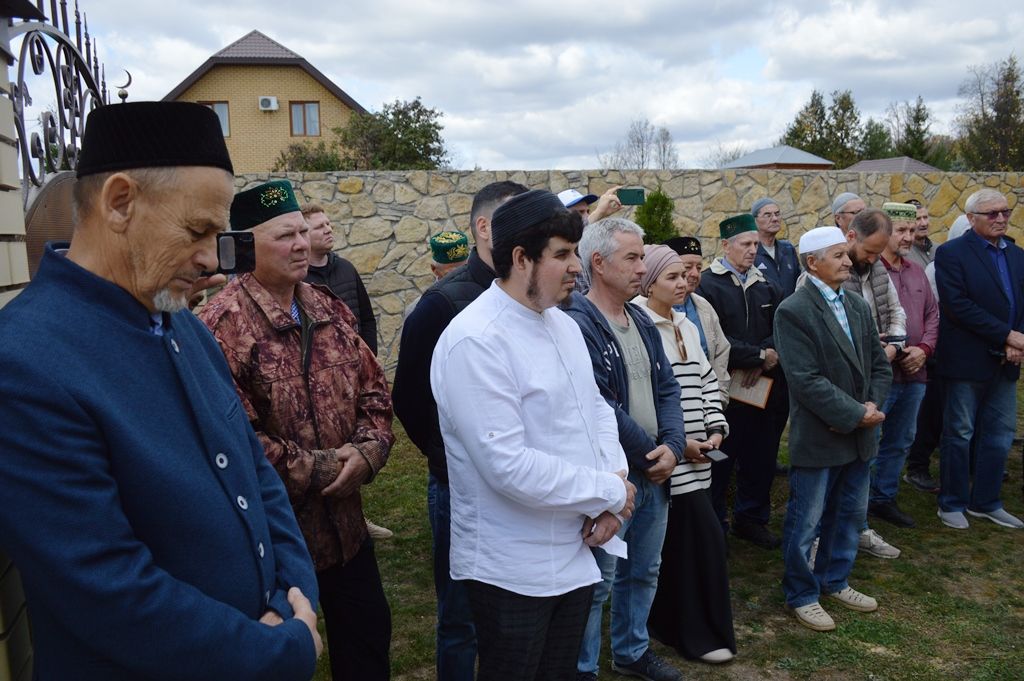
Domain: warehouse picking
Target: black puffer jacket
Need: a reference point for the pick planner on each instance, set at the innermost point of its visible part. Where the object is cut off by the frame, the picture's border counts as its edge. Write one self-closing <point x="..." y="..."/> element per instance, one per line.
<point x="747" y="311"/>
<point x="341" y="277"/>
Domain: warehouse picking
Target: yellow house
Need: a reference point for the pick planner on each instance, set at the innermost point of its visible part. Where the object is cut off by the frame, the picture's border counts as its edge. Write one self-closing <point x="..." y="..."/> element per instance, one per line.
<point x="267" y="97"/>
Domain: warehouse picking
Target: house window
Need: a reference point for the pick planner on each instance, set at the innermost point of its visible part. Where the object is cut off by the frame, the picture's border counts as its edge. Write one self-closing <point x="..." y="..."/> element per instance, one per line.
<point x="305" y="119"/>
<point x="221" y="109"/>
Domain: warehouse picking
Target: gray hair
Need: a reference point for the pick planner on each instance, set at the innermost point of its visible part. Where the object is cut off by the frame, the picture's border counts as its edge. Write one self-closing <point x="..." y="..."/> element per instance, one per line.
<point x="599" y="237"/>
<point x="818" y="255"/>
<point x="982" y="196"/>
<point x="842" y="200"/>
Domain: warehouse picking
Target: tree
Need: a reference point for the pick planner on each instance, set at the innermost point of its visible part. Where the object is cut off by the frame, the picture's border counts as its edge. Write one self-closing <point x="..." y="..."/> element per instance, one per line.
<point x="721" y="154"/>
<point x="401" y="136"/>
<point x="910" y="129"/>
<point x="665" y="154"/>
<point x="306" y="158"/>
<point x="842" y="129"/>
<point x="807" y="131"/>
<point x="655" y="216"/>
<point x="833" y="133"/>
<point x="991" y="121"/>
<point x="643" y="147"/>
<point x="875" y="140"/>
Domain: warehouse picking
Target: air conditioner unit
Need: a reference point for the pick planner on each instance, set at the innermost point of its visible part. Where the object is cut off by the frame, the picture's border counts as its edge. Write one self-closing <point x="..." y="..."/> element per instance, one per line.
<point x="268" y="103"/>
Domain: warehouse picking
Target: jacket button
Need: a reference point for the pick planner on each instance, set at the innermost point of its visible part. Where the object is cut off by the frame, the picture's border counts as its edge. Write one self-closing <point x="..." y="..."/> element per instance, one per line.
<point x="174" y="344"/>
<point x="221" y="460"/>
<point x="260" y="549"/>
<point x="242" y="503"/>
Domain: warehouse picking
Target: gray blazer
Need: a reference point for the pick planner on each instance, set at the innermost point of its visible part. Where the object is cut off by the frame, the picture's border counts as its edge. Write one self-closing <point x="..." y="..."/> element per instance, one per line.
<point x="830" y="379"/>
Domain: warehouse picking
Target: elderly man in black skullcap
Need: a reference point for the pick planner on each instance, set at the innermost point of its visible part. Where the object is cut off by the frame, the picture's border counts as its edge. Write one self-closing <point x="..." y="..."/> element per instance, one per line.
<point x="540" y="479"/>
<point x="154" y="539"/>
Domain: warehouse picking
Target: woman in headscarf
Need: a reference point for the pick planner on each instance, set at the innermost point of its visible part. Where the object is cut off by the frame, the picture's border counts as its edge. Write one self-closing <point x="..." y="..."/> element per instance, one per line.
<point x="691" y="610"/>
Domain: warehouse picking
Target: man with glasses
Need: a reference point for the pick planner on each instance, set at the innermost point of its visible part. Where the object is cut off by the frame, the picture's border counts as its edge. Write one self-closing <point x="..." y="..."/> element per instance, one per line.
<point x="980" y="347"/>
<point x="776" y="258"/>
<point x="845" y="207"/>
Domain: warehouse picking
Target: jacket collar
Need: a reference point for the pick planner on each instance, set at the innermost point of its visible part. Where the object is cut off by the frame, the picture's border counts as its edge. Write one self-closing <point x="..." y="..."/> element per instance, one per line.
<point x="580" y="303"/>
<point x="832" y="324"/>
<point x="753" y="274"/>
<point x="315" y="307"/>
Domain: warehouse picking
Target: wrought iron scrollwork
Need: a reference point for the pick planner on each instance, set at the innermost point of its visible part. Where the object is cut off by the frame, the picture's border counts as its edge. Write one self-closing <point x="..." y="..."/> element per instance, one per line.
<point x="79" y="86"/>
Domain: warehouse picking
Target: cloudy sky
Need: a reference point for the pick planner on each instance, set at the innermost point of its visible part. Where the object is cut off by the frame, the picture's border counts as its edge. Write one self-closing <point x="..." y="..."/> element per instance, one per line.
<point x="540" y="84"/>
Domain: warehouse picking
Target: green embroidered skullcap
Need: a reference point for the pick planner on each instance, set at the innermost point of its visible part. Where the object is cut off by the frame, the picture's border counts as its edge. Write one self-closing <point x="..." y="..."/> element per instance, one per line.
<point x="900" y="211"/>
<point x="448" y="247"/>
<point x="257" y="205"/>
<point x="737" y="224"/>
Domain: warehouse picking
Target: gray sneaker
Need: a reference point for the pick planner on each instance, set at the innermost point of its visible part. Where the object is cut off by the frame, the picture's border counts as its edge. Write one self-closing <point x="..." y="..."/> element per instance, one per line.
<point x="872" y="543"/>
<point x="999" y="517"/>
<point x="954" y="519"/>
<point x="649" y="667"/>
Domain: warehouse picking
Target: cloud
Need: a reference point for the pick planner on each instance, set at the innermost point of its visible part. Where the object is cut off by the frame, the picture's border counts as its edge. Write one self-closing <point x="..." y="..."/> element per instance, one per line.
<point x="537" y="84"/>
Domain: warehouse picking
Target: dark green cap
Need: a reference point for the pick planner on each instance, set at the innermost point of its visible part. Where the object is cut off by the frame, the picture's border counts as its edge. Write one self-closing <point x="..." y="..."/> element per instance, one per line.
<point x="738" y="224"/>
<point x="448" y="247"/>
<point x="259" y="204"/>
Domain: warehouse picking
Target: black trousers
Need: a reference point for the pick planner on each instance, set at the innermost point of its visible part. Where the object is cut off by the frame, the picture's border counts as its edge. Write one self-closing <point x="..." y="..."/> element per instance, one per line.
<point x="357" y="618"/>
<point x="753" y="449"/>
<point x="929" y="427"/>
<point x="527" y="638"/>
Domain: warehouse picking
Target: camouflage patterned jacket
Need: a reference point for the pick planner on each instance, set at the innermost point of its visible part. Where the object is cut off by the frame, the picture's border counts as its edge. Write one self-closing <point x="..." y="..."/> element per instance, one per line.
<point x="305" y="402"/>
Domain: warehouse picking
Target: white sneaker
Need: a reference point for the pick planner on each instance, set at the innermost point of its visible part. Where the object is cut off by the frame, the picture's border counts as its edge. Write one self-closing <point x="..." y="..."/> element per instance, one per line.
<point x="717" y="656"/>
<point x="999" y="517"/>
<point x="378" y="532"/>
<point x="855" y="600"/>
<point x="954" y="519"/>
<point x="813" y="616"/>
<point x="871" y="542"/>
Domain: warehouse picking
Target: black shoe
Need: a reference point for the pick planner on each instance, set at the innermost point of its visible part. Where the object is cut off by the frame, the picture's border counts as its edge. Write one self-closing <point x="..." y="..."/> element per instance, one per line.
<point x="758" y="535"/>
<point x="650" y="667"/>
<point x="890" y="513"/>
<point x="921" y="481"/>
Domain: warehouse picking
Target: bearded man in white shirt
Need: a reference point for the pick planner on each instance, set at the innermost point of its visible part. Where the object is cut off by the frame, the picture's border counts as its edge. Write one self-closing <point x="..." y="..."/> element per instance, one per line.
<point x="536" y="471"/>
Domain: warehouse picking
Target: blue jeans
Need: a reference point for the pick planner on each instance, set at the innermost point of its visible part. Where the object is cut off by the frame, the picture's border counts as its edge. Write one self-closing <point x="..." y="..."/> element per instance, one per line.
<point x="898" y="432"/>
<point x="456" y="636"/>
<point x="837" y="498"/>
<point x="988" y="409"/>
<point x="632" y="582"/>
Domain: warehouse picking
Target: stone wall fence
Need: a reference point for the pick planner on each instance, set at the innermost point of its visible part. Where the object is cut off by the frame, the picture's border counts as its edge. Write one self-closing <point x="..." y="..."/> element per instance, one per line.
<point x="383" y="220"/>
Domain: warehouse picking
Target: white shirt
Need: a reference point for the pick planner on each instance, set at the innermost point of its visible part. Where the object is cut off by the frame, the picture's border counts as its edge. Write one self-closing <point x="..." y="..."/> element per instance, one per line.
<point x="532" y="447"/>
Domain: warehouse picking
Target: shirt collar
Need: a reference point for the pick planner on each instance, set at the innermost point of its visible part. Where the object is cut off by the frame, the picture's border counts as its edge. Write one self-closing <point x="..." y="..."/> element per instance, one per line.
<point x="728" y="265"/>
<point x="826" y="292"/>
<point x="1002" y="242"/>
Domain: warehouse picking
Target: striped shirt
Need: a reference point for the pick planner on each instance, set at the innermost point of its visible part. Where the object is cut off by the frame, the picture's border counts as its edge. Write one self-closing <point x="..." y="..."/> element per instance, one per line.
<point x="699" y="397"/>
<point x="835" y="303"/>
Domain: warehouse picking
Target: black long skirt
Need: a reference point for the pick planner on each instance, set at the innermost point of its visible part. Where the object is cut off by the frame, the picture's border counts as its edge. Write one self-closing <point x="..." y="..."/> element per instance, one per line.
<point x="691" y="610"/>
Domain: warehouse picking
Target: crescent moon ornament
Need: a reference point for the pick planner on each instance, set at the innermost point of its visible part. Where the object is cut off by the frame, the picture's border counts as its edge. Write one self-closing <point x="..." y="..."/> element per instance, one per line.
<point x="122" y="90"/>
<point x="129" y="83"/>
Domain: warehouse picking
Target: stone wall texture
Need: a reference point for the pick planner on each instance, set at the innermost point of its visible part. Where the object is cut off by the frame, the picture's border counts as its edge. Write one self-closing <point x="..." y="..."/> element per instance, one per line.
<point x="383" y="220"/>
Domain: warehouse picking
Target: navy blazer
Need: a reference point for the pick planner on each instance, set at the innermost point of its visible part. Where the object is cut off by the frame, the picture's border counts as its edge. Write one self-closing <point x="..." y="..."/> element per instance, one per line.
<point x="149" y="528"/>
<point x="975" y="312"/>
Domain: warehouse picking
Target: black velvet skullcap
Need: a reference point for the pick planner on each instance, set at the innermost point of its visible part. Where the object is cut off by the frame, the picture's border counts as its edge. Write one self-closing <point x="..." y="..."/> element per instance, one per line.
<point x="152" y="135"/>
<point x="521" y="212"/>
<point x="684" y="245"/>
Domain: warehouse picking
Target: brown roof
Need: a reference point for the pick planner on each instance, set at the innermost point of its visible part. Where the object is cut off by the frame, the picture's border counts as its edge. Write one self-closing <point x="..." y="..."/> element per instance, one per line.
<point x="256" y="48"/>
<point x="899" y="164"/>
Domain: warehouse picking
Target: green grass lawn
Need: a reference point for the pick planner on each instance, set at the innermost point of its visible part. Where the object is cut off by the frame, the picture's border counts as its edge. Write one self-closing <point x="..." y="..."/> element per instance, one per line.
<point x="950" y="607"/>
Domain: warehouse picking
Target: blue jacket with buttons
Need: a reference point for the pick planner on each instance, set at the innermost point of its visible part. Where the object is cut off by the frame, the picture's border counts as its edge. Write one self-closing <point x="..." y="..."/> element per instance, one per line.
<point x="150" y="531"/>
<point x="613" y="381"/>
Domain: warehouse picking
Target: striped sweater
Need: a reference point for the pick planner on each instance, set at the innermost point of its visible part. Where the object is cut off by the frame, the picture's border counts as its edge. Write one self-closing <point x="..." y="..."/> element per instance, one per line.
<point x="700" y="399"/>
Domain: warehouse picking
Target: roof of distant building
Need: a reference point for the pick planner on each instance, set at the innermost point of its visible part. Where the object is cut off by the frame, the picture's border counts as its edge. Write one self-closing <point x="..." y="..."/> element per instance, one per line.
<point x="257" y="48"/>
<point x="780" y="156"/>
<point x="898" y="164"/>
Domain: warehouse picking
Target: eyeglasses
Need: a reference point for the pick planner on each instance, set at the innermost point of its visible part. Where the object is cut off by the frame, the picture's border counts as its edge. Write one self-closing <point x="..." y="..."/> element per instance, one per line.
<point x="994" y="214"/>
<point x="776" y="214"/>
